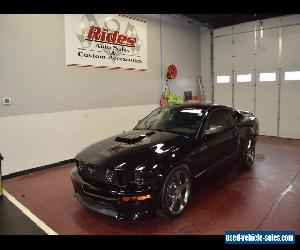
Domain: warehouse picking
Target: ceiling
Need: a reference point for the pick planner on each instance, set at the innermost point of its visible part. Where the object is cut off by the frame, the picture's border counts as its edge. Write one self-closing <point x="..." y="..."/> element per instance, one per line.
<point x="221" y="20"/>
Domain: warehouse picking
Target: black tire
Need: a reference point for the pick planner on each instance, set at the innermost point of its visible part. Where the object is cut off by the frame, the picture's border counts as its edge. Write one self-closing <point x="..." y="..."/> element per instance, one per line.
<point x="176" y="191"/>
<point x="247" y="154"/>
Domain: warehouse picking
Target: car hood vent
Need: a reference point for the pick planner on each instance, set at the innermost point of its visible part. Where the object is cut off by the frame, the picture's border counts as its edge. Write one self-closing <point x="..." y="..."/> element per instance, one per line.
<point x="133" y="138"/>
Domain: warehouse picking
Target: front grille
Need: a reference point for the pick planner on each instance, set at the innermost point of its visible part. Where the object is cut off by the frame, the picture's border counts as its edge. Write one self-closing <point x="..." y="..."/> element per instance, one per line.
<point x="94" y="175"/>
<point x="104" y="208"/>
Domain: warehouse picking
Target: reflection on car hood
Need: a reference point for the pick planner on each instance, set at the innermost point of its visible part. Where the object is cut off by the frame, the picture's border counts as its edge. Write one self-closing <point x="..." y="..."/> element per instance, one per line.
<point x="129" y="150"/>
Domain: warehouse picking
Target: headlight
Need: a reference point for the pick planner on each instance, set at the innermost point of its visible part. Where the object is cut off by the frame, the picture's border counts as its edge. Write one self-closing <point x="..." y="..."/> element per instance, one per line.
<point x="138" y="178"/>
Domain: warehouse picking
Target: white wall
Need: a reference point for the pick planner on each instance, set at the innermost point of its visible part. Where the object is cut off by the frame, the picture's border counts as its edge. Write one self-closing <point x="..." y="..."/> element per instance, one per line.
<point x="34" y="74"/>
<point x="57" y="110"/>
<point x="206" y="62"/>
<point x="179" y="50"/>
<point x="35" y="140"/>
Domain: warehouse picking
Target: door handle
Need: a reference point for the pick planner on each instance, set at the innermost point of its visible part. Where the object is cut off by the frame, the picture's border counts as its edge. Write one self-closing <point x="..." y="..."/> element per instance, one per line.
<point x="199" y="150"/>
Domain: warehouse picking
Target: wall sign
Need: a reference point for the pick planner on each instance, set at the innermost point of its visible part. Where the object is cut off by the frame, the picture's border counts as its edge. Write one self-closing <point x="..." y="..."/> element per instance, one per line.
<point x="111" y="41"/>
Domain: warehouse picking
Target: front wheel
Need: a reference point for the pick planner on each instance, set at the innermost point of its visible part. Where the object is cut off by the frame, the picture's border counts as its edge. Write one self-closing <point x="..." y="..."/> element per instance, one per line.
<point x="176" y="192"/>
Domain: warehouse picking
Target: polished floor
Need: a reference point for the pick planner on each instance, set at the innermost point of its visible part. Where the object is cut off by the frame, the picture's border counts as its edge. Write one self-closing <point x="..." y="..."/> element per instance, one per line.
<point x="266" y="197"/>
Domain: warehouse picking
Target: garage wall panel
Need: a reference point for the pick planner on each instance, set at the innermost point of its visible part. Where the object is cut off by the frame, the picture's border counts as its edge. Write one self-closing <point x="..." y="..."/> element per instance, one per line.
<point x="181" y="46"/>
<point x="206" y="62"/>
<point x="289" y="128"/>
<point x="244" y="64"/>
<point x="290" y="48"/>
<point x="29" y="141"/>
<point x="244" y="27"/>
<point x="270" y="23"/>
<point x="223" y="52"/>
<point x="34" y="72"/>
<point x="223" y="31"/>
<point x="267" y="92"/>
<point x="267" y="51"/>
<point x="223" y="94"/>
<point x="267" y="108"/>
<point x="290" y="19"/>
<point x="243" y="96"/>
<point x="289" y="125"/>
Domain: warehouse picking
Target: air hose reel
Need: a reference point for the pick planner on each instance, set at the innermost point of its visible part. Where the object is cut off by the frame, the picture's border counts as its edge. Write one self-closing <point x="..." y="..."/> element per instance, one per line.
<point x="172" y="72"/>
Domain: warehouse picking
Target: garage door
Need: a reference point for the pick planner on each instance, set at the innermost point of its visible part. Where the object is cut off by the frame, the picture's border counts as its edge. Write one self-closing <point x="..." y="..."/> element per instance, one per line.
<point x="244" y="64"/>
<point x="289" y="125"/>
<point x="250" y="72"/>
<point x="267" y="91"/>
<point x="223" y="69"/>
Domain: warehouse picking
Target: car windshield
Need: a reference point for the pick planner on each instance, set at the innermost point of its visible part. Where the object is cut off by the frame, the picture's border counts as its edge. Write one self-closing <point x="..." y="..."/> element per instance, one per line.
<point x="185" y="121"/>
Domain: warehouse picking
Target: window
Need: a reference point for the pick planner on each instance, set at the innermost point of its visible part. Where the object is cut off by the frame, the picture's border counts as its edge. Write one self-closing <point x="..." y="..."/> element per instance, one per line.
<point x="223" y="79"/>
<point x="243" y="78"/>
<point x="219" y="120"/>
<point x="185" y="121"/>
<point x="292" y="75"/>
<point x="238" y="115"/>
<point x="267" y="77"/>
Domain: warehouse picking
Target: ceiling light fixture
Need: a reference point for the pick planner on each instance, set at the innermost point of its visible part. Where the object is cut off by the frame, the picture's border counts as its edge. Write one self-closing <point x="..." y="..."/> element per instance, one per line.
<point x="261" y="30"/>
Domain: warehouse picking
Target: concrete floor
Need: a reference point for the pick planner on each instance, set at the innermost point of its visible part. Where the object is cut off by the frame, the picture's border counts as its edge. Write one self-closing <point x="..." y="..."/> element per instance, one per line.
<point x="266" y="197"/>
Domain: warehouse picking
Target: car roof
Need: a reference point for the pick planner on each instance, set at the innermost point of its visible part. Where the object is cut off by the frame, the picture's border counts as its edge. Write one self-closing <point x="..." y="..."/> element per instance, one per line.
<point x="204" y="106"/>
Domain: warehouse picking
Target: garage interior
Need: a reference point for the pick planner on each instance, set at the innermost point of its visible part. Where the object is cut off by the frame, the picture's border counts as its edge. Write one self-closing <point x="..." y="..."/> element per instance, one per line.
<point x="50" y="111"/>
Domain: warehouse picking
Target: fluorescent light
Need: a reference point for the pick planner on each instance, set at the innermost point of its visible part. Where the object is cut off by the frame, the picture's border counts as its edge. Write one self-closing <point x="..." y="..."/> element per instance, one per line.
<point x="267" y="77"/>
<point x="223" y="79"/>
<point x="243" y="78"/>
<point x="261" y="30"/>
<point x="292" y="75"/>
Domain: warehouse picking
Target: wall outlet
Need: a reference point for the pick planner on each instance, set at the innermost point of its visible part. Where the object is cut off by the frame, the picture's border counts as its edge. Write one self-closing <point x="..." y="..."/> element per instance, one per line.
<point x="6" y="100"/>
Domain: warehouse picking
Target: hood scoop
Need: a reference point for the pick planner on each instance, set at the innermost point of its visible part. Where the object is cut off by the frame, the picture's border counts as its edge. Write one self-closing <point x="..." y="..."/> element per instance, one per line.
<point x="133" y="138"/>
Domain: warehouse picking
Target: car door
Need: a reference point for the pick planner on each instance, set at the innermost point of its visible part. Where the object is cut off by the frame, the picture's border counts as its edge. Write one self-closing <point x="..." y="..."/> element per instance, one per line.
<point x="218" y="141"/>
<point x="228" y="137"/>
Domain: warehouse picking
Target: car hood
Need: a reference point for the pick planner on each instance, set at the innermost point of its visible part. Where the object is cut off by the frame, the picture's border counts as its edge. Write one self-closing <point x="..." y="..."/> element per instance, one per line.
<point x="131" y="149"/>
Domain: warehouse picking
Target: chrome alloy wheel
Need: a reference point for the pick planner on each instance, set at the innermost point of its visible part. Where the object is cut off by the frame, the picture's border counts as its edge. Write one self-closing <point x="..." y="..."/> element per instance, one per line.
<point x="178" y="191"/>
<point x="250" y="155"/>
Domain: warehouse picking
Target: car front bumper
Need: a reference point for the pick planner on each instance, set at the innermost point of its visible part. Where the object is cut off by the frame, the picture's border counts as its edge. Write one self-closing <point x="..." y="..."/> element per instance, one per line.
<point x="110" y="202"/>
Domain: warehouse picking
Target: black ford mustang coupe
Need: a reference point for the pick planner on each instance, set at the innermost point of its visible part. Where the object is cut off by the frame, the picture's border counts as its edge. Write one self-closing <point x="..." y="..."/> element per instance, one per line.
<point x="152" y="167"/>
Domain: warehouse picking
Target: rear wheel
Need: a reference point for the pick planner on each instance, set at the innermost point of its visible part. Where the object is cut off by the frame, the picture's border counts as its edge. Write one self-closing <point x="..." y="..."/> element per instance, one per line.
<point x="247" y="154"/>
<point x="176" y="192"/>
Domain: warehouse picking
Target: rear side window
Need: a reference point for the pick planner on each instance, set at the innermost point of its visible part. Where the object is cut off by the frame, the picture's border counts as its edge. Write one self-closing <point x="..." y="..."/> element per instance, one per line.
<point x="220" y="119"/>
<point x="238" y="115"/>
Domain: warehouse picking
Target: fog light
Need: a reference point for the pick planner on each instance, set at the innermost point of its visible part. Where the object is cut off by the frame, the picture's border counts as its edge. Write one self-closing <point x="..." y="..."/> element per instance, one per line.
<point x="136" y="198"/>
